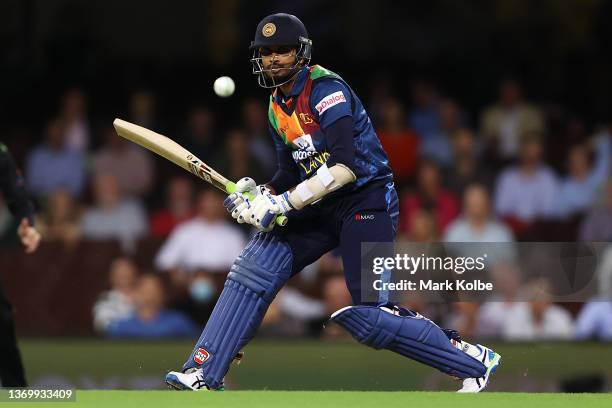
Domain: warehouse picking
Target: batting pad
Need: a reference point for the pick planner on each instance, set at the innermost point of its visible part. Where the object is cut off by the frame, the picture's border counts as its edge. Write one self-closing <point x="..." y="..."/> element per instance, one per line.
<point x="409" y="334"/>
<point x="255" y="278"/>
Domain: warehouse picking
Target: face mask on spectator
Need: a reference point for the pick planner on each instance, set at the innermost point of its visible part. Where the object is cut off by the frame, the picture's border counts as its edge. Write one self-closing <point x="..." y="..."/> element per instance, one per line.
<point x="201" y="290"/>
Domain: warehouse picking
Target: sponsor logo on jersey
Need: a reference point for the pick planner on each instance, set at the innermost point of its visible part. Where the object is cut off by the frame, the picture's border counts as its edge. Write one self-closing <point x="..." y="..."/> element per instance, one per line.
<point x="329" y="101"/>
<point x="314" y="162"/>
<point x="305" y="148"/>
<point x="360" y="217"/>
<point x="201" y="356"/>
<point x="305" y="118"/>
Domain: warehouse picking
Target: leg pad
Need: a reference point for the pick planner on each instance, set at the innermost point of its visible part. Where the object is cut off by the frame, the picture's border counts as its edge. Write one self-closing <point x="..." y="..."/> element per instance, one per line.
<point x="254" y="279"/>
<point x="409" y="334"/>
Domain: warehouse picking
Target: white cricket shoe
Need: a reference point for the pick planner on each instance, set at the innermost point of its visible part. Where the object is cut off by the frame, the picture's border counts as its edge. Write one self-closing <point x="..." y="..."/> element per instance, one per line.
<point x="491" y="360"/>
<point x="192" y="380"/>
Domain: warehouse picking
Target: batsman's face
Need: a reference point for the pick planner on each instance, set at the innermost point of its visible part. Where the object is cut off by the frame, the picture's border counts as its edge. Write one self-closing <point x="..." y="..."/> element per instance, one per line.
<point x="277" y="61"/>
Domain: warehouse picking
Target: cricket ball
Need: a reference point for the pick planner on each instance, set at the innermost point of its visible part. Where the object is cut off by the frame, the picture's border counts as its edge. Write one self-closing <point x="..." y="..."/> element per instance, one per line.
<point x="224" y="86"/>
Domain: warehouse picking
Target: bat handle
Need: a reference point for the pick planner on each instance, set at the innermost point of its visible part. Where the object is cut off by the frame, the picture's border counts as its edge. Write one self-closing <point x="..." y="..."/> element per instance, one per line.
<point x="280" y="220"/>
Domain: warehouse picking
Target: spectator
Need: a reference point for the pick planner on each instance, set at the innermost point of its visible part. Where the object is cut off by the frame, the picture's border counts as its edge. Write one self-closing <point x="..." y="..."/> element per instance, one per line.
<point x="423" y="227"/>
<point x="429" y="196"/>
<point x="198" y="301"/>
<point x="463" y="318"/>
<point x="150" y="318"/>
<point x="477" y="223"/>
<point x="143" y="109"/>
<point x="381" y="88"/>
<point x="436" y="145"/>
<point x="511" y="119"/>
<point x="335" y="294"/>
<point x="236" y="161"/>
<point x="54" y="165"/>
<point x="335" y="297"/>
<point x="179" y="207"/>
<point x="577" y="191"/>
<point x="61" y="218"/>
<point x="595" y="321"/>
<point x="604" y="272"/>
<point x="467" y="168"/>
<point x="74" y="115"/>
<point x="200" y="136"/>
<point x="597" y="225"/>
<point x="118" y="303"/>
<point x="506" y="279"/>
<point x="255" y="123"/>
<point x="424" y="118"/>
<point x="128" y="163"/>
<point x="535" y="319"/>
<point x="399" y="142"/>
<point x="113" y="217"/>
<point x="294" y="314"/>
<point x="527" y="191"/>
<point x="207" y="242"/>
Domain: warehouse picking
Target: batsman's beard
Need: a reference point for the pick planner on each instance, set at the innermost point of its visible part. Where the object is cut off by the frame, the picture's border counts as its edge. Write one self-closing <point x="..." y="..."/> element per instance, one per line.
<point x="290" y="73"/>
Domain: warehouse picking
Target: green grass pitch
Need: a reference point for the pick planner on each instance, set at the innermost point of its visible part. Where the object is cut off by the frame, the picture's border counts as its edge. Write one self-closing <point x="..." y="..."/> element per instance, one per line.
<point x="323" y="399"/>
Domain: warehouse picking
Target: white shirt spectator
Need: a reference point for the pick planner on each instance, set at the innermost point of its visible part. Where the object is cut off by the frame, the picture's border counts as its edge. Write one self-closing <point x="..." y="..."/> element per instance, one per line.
<point x="526" y="197"/>
<point x="461" y="230"/>
<point x="514" y="321"/>
<point x="112" y="306"/>
<point x="126" y="222"/>
<point x="78" y="135"/>
<point x="577" y="195"/>
<point x="509" y="128"/>
<point x="495" y="237"/>
<point x="595" y="321"/>
<point x="200" y="244"/>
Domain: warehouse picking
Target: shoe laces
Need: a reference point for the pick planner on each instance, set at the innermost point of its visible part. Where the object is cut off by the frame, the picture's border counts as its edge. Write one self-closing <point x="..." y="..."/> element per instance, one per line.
<point x="199" y="382"/>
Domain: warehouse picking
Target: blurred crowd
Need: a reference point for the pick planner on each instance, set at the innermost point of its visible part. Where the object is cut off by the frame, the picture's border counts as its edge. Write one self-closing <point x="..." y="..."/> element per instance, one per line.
<point x="515" y="171"/>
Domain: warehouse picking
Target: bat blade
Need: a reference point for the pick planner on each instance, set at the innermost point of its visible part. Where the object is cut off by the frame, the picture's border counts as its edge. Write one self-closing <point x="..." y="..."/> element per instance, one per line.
<point x="177" y="154"/>
<point x="169" y="149"/>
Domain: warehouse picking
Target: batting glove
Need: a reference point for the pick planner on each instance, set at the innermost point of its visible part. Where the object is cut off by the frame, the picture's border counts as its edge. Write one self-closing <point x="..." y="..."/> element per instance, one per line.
<point x="265" y="208"/>
<point x="236" y="203"/>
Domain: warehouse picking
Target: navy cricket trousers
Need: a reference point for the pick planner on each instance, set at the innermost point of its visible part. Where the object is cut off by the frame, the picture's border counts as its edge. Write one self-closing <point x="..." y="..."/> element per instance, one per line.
<point x="367" y="215"/>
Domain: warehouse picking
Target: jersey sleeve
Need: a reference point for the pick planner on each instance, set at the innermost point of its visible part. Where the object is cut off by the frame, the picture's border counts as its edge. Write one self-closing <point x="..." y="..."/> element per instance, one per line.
<point x="12" y="185"/>
<point x="330" y="100"/>
<point x="339" y="137"/>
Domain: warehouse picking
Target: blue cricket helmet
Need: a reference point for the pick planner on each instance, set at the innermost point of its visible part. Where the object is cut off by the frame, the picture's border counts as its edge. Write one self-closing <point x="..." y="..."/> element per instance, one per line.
<point x="280" y="29"/>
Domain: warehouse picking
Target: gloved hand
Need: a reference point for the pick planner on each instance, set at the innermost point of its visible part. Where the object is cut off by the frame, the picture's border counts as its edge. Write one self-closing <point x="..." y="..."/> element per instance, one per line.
<point x="265" y="207"/>
<point x="236" y="203"/>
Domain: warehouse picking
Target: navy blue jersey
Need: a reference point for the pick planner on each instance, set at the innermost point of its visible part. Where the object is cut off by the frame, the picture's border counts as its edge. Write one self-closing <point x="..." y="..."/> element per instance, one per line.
<point x="300" y="122"/>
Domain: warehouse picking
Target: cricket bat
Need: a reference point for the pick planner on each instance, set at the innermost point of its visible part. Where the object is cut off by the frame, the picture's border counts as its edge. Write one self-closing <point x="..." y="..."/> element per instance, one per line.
<point x="177" y="154"/>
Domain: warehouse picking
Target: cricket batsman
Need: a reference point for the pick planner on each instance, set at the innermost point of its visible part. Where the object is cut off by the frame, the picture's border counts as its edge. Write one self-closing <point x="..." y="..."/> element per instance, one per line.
<point x="331" y="172"/>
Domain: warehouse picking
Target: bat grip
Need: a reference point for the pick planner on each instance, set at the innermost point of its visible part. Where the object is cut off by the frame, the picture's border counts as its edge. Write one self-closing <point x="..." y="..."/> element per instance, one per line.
<point x="280" y="220"/>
